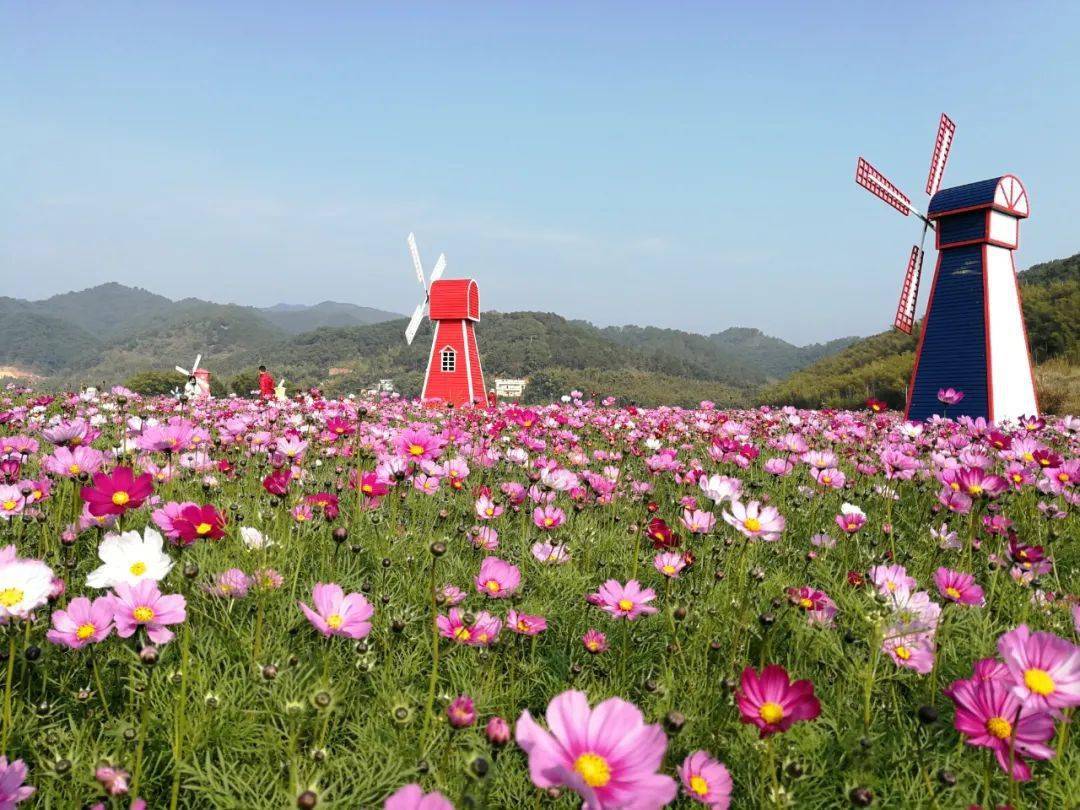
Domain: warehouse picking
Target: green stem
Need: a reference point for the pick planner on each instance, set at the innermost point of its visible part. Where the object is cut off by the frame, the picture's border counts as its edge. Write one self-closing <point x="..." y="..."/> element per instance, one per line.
<point x="145" y="713"/>
<point x="433" y="681"/>
<point x="180" y="716"/>
<point x="97" y="683"/>
<point x="7" y="689"/>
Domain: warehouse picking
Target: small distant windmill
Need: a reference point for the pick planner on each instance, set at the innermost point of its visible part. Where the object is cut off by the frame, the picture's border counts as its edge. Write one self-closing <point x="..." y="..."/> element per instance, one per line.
<point x="973" y="336"/>
<point x="201" y="375"/>
<point x="453" y="306"/>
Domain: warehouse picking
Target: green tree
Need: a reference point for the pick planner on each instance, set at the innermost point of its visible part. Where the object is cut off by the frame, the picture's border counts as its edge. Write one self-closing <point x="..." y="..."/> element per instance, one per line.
<point x="152" y="383"/>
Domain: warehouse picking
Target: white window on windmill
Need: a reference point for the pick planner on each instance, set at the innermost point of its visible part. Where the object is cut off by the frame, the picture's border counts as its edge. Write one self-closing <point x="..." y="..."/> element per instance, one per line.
<point x="447" y="359"/>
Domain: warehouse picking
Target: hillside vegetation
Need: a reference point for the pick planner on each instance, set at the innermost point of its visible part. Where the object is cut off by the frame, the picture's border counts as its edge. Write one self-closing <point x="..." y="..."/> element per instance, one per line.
<point x="880" y="365"/>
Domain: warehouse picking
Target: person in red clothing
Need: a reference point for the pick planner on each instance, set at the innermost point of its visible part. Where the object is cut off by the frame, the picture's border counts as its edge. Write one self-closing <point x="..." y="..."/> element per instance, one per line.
<point x="266" y="383"/>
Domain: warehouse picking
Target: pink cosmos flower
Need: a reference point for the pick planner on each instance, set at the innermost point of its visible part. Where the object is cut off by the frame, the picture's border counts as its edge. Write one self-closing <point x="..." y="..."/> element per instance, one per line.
<point x="12" y="789"/>
<point x="451" y="595"/>
<point x="698" y="521"/>
<point x="891" y="578"/>
<point x="484" y="537"/>
<point x="706" y="780"/>
<point x="669" y="563"/>
<point x="829" y="478"/>
<point x="990" y="716"/>
<point x="116" y="492"/>
<point x="1045" y="669"/>
<point x="754" y="521"/>
<point x="461" y="711"/>
<point x="338" y="614"/>
<point x="817" y="605"/>
<point x="143" y="605"/>
<point x="772" y="703"/>
<point x="549" y="553"/>
<point x="851" y="518"/>
<point x="624" y="602"/>
<point x="525" y="624"/>
<point x="548" y="517"/>
<point x="720" y="488"/>
<point x="487" y="509"/>
<point x="949" y="396"/>
<point x="607" y="755"/>
<point x="167" y="516"/>
<point x="412" y="797"/>
<point x="12" y="501"/>
<point x="956" y="586"/>
<point x="482" y="632"/>
<point x="914" y="651"/>
<point x="84" y="622"/>
<point x="69" y="462"/>
<point x="594" y="641"/>
<point x="497" y="578"/>
<point x="417" y="445"/>
<point x="230" y="584"/>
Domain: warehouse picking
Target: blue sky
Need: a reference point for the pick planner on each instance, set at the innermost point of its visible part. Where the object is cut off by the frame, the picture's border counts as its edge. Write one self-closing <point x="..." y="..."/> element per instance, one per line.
<point x="678" y="164"/>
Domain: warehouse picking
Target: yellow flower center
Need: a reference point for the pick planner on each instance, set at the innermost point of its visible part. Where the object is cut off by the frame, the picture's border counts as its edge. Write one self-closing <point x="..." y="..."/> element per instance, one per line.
<point x="594" y="769"/>
<point x="492" y="586"/>
<point x="462" y="634"/>
<point x="952" y="593"/>
<point x="626" y="604"/>
<point x="489" y="511"/>
<point x="699" y="785"/>
<point x="805" y="603"/>
<point x="902" y="652"/>
<point x="975" y="489"/>
<point x="890" y="586"/>
<point x="143" y="614"/>
<point x="367" y="488"/>
<point x="771" y="712"/>
<point x="9" y="506"/>
<point x="119" y="498"/>
<point x="1039" y="682"/>
<point x="999" y="727"/>
<point x="138" y="568"/>
<point x="753" y="524"/>
<point x="334" y="620"/>
<point x="203" y="528"/>
<point x="416" y="450"/>
<point x="593" y="645"/>
<point x="84" y="632"/>
<point x="10" y="597"/>
<point x="669" y="569"/>
<point x="74" y="469"/>
<point x="548" y="521"/>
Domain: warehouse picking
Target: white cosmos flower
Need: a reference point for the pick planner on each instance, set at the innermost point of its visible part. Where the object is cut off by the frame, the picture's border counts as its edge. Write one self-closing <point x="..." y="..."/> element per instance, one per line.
<point x="254" y="539"/>
<point x="24" y="586"/>
<point x="130" y="558"/>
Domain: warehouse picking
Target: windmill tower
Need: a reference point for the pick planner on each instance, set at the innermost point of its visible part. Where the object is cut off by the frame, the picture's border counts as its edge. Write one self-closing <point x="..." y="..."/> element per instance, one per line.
<point x="453" y="306"/>
<point x="973" y="336"/>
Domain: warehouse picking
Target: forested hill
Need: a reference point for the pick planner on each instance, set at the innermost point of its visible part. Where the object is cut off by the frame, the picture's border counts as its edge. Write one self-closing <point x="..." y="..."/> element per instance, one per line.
<point x="880" y="365"/>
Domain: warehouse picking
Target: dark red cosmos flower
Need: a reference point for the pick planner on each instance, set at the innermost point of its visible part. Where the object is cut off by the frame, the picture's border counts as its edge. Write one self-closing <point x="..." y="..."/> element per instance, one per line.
<point x="339" y="426"/>
<point x="327" y="501"/>
<point x="277" y="482"/>
<point x="1047" y="458"/>
<point x="855" y="578"/>
<point x="876" y="405"/>
<point x="199" y="523"/>
<point x="661" y="534"/>
<point x="371" y="486"/>
<point x="116" y="492"/>
<point x="998" y="440"/>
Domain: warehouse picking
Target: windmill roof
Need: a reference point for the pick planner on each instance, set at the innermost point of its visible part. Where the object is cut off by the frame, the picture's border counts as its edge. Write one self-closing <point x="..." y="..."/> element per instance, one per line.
<point x="1001" y="193"/>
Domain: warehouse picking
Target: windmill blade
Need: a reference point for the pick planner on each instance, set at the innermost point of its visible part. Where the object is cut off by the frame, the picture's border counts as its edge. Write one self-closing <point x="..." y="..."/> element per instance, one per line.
<point x="414" y="322"/>
<point x="183" y="371"/>
<point x="195" y="365"/>
<point x="945" y="132"/>
<point x="909" y="294"/>
<point x="415" y="253"/>
<point x="879" y="185"/>
<point x="439" y="269"/>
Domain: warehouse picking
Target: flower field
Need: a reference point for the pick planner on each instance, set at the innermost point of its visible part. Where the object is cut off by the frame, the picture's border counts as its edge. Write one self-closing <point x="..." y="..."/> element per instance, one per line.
<point x="346" y="603"/>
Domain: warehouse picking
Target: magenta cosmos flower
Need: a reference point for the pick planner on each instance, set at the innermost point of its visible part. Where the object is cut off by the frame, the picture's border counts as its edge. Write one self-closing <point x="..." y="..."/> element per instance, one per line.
<point x="990" y="716"/>
<point x="956" y="586"/>
<point x="608" y="755"/>
<point x="1045" y="669"/>
<point x="84" y="622"/>
<point x="481" y="633"/>
<point x="143" y="605"/>
<point x="417" y="445"/>
<point x="772" y="703"/>
<point x="706" y="780"/>
<point x="525" y="624"/>
<point x="497" y="578"/>
<point x="949" y="396"/>
<point x="412" y="797"/>
<point x="12" y="777"/>
<point x="116" y="492"/>
<point x="624" y="602"/>
<point x="754" y="521"/>
<point x="548" y="517"/>
<point x="337" y="613"/>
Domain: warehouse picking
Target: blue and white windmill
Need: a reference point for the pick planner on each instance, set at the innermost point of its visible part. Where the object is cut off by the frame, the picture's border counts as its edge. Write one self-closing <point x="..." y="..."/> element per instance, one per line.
<point x="973" y="336"/>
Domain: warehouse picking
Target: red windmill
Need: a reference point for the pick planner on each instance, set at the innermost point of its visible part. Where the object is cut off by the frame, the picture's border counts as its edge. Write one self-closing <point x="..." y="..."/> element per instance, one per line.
<point x="453" y="306"/>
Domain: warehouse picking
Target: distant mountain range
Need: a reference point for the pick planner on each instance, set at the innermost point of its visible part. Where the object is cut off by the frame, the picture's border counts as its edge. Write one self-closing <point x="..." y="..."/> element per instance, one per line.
<point x="111" y="332"/>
